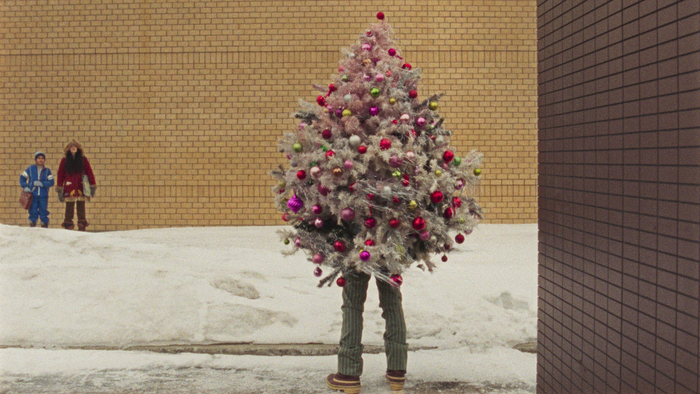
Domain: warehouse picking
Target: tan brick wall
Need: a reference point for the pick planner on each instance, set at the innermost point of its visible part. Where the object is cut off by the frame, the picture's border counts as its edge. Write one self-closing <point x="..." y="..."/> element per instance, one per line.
<point x="179" y="104"/>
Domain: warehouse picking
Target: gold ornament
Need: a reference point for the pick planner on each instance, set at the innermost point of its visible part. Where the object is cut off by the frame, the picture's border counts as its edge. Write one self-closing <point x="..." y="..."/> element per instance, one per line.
<point x="367" y="62"/>
<point x="438" y="173"/>
<point x="412" y="205"/>
<point x="337" y="171"/>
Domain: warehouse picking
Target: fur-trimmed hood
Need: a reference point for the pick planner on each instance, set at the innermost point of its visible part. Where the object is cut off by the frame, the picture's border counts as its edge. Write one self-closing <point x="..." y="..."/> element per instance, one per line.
<point x="71" y="143"/>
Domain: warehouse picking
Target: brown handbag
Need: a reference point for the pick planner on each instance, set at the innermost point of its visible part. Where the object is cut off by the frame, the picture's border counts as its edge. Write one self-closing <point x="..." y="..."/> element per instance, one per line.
<point x="25" y="200"/>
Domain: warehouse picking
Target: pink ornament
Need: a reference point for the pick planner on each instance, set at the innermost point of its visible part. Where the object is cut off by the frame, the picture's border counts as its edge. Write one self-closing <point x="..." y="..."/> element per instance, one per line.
<point x="370" y="222"/>
<point x="410" y="155"/>
<point x="348" y="164"/>
<point x="445" y="166"/>
<point x="366" y="47"/>
<point x="318" y="223"/>
<point x="385" y="144"/>
<point x="341" y="68"/>
<point x="347" y="214"/>
<point x="418" y="223"/>
<point x="460" y="184"/>
<point x="379" y="77"/>
<point x="424" y="235"/>
<point x="295" y="203"/>
<point x="316" y="209"/>
<point x="405" y="118"/>
<point x="302" y="124"/>
<point x="318" y="258"/>
<point x="297" y="242"/>
<point x="395" y="161"/>
<point x="339" y="113"/>
<point x="315" y="171"/>
<point x="436" y="197"/>
<point x="364" y="255"/>
<point x="323" y="190"/>
<point x="366" y="77"/>
<point x="420" y="122"/>
<point x="318" y="272"/>
<point x="392" y="52"/>
<point x="374" y="111"/>
<point x="397" y="279"/>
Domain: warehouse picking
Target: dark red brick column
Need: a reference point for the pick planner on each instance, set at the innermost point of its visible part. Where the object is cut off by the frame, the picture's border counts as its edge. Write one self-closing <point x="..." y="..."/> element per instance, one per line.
<point x="619" y="190"/>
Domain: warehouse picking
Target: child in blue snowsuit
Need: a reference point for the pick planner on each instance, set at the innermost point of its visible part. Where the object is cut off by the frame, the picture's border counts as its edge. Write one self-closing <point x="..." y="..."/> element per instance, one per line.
<point x="38" y="179"/>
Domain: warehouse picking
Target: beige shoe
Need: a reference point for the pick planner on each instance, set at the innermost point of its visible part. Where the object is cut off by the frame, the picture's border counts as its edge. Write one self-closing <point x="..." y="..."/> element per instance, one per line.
<point x="346" y="383"/>
<point x="396" y="379"/>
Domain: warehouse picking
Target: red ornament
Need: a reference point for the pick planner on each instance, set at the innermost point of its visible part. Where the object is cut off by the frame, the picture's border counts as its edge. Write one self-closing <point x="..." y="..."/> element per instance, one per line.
<point x="406" y="182"/>
<point x="301" y="174"/>
<point x="456" y="202"/>
<point x="395" y="121"/>
<point x="412" y="93"/>
<point x="380" y="16"/>
<point x="339" y="246"/>
<point x="418" y="224"/>
<point x="406" y="65"/>
<point x="432" y="137"/>
<point x="362" y="149"/>
<point x="329" y="154"/>
<point x="284" y="217"/>
<point x="436" y="197"/>
<point x="447" y="246"/>
<point x="396" y="200"/>
<point x="444" y="258"/>
<point x="369" y="242"/>
<point x="459" y="238"/>
<point x="448" y="156"/>
<point x="352" y="187"/>
<point x="392" y="52"/>
<point x="332" y="88"/>
<point x="393" y="223"/>
<point x="341" y="282"/>
<point x="370" y="222"/>
<point x="321" y="101"/>
<point x="385" y="144"/>
<point x="326" y="134"/>
<point x="370" y="197"/>
<point x="449" y="212"/>
<point x="397" y="279"/>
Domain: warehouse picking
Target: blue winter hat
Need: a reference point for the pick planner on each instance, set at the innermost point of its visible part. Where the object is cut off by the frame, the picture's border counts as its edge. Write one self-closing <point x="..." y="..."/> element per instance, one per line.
<point x="40" y="153"/>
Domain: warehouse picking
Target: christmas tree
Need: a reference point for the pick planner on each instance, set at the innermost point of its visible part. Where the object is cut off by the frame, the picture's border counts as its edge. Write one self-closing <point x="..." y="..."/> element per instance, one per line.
<point x="374" y="184"/>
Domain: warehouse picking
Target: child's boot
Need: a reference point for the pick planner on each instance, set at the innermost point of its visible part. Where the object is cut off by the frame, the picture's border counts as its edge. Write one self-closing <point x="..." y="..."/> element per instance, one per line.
<point x="346" y="383"/>
<point x="396" y="379"/>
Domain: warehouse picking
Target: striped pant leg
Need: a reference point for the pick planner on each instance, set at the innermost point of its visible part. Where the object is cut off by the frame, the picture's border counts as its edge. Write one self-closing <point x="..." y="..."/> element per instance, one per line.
<point x="395" y="345"/>
<point x="354" y="296"/>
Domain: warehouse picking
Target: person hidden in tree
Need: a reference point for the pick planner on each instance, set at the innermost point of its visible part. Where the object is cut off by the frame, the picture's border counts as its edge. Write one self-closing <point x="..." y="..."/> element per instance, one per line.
<point x="347" y="379"/>
<point x="37" y="179"/>
<point x="74" y="165"/>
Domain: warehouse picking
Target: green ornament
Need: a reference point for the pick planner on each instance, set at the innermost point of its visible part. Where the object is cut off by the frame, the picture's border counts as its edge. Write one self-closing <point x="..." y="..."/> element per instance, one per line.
<point x="392" y="101"/>
<point x="374" y="92"/>
<point x="324" y="148"/>
<point x="433" y="105"/>
<point x="311" y="182"/>
<point x="297" y="147"/>
<point x="314" y="164"/>
<point x="344" y="78"/>
<point x="347" y="112"/>
<point x="396" y="174"/>
<point x="286" y="241"/>
<point x="457" y="161"/>
<point x="477" y="171"/>
<point x="282" y="184"/>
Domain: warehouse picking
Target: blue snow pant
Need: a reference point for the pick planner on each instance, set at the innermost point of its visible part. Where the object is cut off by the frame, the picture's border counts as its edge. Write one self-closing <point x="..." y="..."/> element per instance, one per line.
<point x="395" y="346"/>
<point x="39" y="209"/>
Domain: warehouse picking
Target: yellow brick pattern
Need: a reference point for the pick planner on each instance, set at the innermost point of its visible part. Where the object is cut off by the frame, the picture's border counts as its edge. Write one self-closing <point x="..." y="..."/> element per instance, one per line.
<point x="179" y="103"/>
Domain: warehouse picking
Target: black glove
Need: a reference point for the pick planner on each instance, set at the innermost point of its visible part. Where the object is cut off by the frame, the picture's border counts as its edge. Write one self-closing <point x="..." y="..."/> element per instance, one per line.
<point x="93" y="189"/>
<point x="61" y="197"/>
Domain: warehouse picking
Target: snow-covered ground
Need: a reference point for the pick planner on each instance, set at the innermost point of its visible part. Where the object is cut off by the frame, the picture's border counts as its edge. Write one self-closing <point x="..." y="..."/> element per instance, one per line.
<point x="65" y="289"/>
